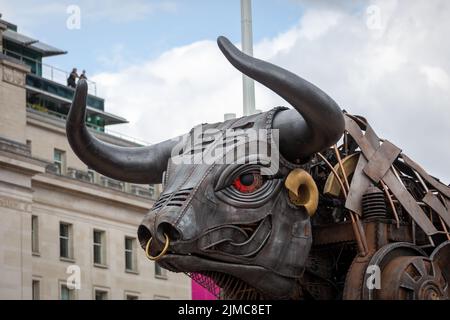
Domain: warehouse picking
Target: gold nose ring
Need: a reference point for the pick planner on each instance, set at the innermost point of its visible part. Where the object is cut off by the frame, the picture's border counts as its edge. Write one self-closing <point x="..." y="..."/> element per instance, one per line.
<point x="163" y="252"/>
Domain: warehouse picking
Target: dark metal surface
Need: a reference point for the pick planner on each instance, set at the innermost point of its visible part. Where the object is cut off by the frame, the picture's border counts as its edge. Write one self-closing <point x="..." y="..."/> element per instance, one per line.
<point x="223" y="232"/>
<point x="333" y="233"/>
<point x="373" y="203"/>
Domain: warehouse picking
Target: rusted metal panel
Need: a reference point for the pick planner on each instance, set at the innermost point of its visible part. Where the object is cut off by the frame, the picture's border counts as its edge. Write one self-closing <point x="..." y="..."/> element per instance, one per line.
<point x="403" y="233"/>
<point x="409" y="203"/>
<point x="359" y="185"/>
<point x="442" y="188"/>
<point x="360" y="182"/>
<point x="431" y="200"/>
<point x="376" y="234"/>
<point x="381" y="161"/>
<point x="399" y="191"/>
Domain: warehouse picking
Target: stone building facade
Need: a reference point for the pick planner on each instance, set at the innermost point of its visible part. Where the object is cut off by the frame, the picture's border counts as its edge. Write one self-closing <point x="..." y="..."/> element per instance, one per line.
<point x="60" y="221"/>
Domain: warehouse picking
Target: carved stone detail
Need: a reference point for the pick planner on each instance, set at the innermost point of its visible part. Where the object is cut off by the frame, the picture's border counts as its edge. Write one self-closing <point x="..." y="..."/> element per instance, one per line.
<point x="14" y="204"/>
<point x="13" y="76"/>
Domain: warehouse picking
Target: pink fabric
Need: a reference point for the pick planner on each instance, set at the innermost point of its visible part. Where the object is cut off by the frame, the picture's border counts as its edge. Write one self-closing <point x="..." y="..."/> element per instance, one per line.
<point x="200" y="293"/>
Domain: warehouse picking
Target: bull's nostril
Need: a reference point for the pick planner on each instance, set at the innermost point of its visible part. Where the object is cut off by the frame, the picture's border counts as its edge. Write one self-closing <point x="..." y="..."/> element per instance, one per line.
<point x="144" y="235"/>
<point x="169" y="230"/>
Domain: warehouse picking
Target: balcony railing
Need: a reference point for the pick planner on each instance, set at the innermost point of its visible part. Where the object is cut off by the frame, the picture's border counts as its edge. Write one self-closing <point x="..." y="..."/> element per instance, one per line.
<point x="47" y="71"/>
<point x="89" y="124"/>
<point x="146" y="191"/>
<point x="54" y="114"/>
<point x="112" y="184"/>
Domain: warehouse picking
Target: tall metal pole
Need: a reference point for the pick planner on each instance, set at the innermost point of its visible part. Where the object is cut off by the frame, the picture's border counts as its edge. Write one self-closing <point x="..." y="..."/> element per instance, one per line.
<point x="247" y="47"/>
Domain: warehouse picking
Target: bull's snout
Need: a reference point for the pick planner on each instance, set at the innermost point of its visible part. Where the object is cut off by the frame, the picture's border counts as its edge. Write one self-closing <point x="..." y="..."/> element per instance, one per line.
<point x="158" y="233"/>
<point x="164" y="229"/>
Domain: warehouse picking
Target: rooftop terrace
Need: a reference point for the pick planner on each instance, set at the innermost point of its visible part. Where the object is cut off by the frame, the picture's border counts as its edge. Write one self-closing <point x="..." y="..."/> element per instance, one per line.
<point x="46" y="85"/>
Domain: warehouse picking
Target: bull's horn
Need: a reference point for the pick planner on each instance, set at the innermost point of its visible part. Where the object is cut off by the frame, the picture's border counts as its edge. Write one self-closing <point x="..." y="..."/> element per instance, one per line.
<point x="132" y="164"/>
<point x="320" y="123"/>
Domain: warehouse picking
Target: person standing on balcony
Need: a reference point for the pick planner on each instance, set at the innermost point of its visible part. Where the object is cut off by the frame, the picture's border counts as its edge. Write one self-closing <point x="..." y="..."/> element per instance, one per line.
<point x="83" y="75"/>
<point x="71" y="80"/>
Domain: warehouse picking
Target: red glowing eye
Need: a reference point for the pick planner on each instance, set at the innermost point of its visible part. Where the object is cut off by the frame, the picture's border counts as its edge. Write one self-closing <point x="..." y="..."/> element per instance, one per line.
<point x="248" y="182"/>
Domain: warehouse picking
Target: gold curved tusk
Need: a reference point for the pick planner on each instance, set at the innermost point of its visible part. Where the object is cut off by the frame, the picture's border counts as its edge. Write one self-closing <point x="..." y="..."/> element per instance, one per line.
<point x="163" y="252"/>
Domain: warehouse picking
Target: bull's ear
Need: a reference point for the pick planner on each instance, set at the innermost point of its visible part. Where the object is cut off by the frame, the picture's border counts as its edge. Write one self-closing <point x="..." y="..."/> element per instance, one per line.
<point x="302" y="190"/>
<point x="321" y="122"/>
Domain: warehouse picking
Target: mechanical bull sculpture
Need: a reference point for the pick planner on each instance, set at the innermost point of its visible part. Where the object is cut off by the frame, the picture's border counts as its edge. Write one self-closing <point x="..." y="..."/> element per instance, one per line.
<point x="358" y="221"/>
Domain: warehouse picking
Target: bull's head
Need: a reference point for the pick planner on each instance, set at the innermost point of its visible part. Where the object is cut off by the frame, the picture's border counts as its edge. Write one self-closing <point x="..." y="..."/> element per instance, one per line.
<point x="227" y="220"/>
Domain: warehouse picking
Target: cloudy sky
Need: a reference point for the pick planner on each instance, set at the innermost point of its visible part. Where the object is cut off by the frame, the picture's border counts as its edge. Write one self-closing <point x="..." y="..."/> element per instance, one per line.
<point x="157" y="64"/>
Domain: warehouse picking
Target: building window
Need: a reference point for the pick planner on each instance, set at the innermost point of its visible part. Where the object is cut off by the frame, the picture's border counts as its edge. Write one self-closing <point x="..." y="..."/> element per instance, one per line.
<point x="35" y="290"/>
<point x="29" y="145"/>
<point x="100" y="294"/>
<point x="130" y="296"/>
<point x="99" y="247"/>
<point x="66" y="293"/>
<point x="65" y="240"/>
<point x="160" y="272"/>
<point x="130" y="254"/>
<point x="34" y="234"/>
<point x="59" y="161"/>
<point x="158" y="297"/>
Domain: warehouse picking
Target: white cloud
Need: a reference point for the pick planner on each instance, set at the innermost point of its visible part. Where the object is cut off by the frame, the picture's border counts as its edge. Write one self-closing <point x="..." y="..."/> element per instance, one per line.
<point x="436" y="77"/>
<point x="165" y="97"/>
<point x="396" y="76"/>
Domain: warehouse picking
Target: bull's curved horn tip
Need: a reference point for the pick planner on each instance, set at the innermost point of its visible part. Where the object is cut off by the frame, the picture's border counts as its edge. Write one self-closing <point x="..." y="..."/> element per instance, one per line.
<point x="82" y="85"/>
